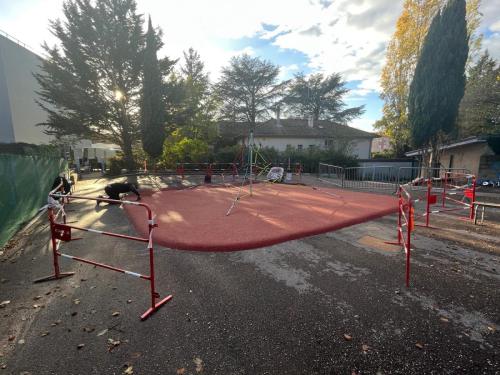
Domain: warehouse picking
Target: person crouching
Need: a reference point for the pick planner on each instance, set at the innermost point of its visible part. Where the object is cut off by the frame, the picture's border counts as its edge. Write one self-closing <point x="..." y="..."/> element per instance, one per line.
<point x="113" y="191"/>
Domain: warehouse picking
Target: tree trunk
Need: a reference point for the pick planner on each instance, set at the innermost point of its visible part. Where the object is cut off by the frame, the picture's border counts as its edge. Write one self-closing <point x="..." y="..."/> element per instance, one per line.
<point x="128" y="158"/>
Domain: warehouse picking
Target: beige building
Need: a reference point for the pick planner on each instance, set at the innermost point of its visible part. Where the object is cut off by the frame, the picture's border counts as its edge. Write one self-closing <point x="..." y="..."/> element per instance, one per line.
<point x="19" y="113"/>
<point x="479" y="155"/>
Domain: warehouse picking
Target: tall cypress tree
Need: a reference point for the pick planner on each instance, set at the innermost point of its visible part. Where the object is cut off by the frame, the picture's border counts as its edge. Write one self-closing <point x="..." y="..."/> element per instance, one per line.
<point x="152" y="106"/>
<point x="439" y="80"/>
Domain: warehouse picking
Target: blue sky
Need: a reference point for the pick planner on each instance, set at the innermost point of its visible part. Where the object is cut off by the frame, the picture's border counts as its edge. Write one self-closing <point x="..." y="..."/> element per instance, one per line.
<point x="345" y="36"/>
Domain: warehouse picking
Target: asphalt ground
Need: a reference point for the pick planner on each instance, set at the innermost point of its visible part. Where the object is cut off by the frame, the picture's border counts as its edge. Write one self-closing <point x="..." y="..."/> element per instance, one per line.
<point x="334" y="303"/>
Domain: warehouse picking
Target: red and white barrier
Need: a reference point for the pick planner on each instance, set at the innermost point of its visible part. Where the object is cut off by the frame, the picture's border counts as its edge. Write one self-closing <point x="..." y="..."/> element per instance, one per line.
<point x="406" y="225"/>
<point x="61" y="232"/>
<point x="459" y="189"/>
<point x="208" y="169"/>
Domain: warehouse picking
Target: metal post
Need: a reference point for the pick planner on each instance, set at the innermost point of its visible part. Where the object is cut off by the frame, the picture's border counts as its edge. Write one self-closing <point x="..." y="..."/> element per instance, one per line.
<point x="427" y="206"/>
<point x="250" y="145"/>
<point x="443" y="198"/>
<point x="473" y="199"/>
<point x="54" y="244"/>
<point x="408" y="242"/>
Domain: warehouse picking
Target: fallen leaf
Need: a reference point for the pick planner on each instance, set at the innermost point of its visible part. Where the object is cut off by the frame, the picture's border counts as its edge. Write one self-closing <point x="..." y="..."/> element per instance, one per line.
<point x="129" y="301"/>
<point x="492" y="329"/>
<point x="21" y="342"/>
<point x="181" y="371"/>
<point x="116" y="313"/>
<point x="12" y="337"/>
<point x="443" y="319"/>
<point x="45" y="333"/>
<point x="129" y="370"/>
<point x="76" y="301"/>
<point x="80" y="346"/>
<point x="3" y="367"/>
<point x="4" y="303"/>
<point x="37" y="298"/>
<point x="365" y="347"/>
<point x="136" y="355"/>
<point x="419" y="345"/>
<point x="199" y="364"/>
<point x="347" y="337"/>
<point x="102" y="332"/>
<point x="113" y="344"/>
<point x="47" y="293"/>
<point x="88" y="329"/>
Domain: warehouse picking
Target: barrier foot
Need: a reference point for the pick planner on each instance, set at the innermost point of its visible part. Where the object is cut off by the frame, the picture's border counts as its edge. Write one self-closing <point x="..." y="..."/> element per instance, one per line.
<point x="152" y="310"/>
<point x="392" y="243"/>
<point x="54" y="277"/>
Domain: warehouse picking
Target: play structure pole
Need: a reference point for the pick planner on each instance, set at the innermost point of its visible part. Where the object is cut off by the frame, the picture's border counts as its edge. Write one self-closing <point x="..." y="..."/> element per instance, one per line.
<point x="250" y="145"/>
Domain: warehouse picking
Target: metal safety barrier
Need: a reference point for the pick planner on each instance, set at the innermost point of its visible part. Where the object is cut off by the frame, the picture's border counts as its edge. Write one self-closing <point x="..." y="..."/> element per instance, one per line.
<point x="452" y="192"/>
<point x="364" y="178"/>
<point x="406" y="225"/>
<point x="207" y="169"/>
<point x="62" y="232"/>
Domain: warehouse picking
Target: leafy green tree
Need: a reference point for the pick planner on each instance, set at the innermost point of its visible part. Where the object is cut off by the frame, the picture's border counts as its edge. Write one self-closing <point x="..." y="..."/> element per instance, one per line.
<point x="198" y="104"/>
<point x="439" y="81"/>
<point x="320" y="97"/>
<point x="247" y="89"/>
<point x="152" y="105"/>
<point x="401" y="59"/>
<point x="179" y="148"/>
<point x="91" y="82"/>
<point x="479" y="112"/>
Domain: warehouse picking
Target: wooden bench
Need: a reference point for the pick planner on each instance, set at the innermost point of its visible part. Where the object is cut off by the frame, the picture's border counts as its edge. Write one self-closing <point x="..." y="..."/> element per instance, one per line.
<point x="483" y="205"/>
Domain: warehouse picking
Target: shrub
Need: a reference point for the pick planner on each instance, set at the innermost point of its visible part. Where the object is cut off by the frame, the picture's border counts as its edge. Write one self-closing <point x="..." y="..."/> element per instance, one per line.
<point x="116" y="164"/>
<point x="178" y="148"/>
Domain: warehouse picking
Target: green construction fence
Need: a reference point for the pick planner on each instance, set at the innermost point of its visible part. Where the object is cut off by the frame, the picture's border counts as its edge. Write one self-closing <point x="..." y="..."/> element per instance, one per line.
<point x="25" y="181"/>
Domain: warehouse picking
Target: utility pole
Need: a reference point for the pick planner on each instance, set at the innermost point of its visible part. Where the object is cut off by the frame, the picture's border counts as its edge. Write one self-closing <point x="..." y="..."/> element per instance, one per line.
<point x="250" y="145"/>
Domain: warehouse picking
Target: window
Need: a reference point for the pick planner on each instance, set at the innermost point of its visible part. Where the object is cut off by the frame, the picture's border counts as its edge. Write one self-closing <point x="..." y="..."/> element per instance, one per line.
<point x="299" y="147"/>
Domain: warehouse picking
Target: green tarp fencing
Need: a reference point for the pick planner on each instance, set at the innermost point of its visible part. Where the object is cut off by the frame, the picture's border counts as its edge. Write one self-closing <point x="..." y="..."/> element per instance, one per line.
<point x="24" y="184"/>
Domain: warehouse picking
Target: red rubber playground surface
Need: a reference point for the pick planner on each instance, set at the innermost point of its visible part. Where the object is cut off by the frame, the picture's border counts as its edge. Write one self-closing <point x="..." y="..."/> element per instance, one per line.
<point x="195" y="218"/>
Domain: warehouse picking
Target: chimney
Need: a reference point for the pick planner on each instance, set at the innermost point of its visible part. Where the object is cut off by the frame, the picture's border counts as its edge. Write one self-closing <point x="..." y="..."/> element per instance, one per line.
<point x="278" y="122"/>
<point x="310" y="121"/>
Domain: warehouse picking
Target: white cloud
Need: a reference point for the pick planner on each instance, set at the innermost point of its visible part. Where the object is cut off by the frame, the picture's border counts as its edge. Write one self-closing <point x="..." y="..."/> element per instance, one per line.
<point x="495" y="26"/>
<point x="287" y="71"/>
<point x="492" y="44"/>
<point x="346" y="36"/>
<point x="365" y="124"/>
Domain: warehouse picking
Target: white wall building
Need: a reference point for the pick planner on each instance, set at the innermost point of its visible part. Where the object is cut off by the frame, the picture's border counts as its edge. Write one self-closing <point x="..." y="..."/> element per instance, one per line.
<point x="303" y="134"/>
<point x="18" y="111"/>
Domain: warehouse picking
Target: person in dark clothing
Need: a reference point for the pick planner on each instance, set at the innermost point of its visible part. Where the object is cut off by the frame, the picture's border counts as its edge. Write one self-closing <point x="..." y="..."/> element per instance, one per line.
<point x="113" y="191"/>
<point x="65" y="187"/>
